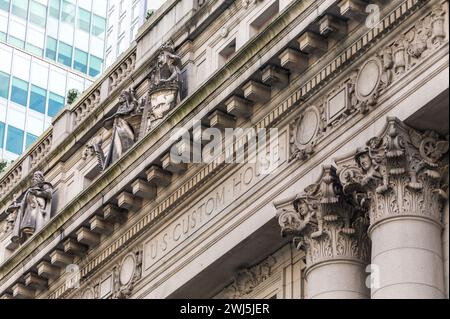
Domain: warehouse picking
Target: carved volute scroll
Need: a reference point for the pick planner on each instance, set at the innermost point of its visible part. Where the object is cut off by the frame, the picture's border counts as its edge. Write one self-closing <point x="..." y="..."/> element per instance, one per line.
<point x="400" y="172"/>
<point x="325" y="221"/>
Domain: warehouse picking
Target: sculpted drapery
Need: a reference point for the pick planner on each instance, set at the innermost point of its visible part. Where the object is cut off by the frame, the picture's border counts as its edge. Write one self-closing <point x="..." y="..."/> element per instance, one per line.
<point x="34" y="210"/>
<point x="123" y="135"/>
<point x="134" y="118"/>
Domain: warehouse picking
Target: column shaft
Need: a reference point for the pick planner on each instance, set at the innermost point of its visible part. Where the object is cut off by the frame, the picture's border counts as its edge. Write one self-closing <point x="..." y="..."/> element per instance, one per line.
<point x="339" y="279"/>
<point x="407" y="251"/>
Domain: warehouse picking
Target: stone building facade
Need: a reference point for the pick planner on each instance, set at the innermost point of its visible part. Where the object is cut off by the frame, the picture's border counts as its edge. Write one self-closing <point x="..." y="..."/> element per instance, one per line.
<point x="355" y="207"/>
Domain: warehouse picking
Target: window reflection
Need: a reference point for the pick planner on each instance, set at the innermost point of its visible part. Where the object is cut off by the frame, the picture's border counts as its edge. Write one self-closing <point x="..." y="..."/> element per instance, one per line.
<point x="14" y="140"/>
<point x="37" y="99"/>
<point x="19" y="91"/>
<point x="20" y="8"/>
<point x="55" y="103"/>
<point x="65" y="54"/>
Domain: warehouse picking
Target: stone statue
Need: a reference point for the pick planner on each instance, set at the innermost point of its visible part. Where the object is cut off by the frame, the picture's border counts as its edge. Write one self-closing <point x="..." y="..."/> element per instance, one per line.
<point x="34" y="210"/>
<point x="164" y="88"/>
<point x="123" y="135"/>
<point x="11" y="213"/>
<point x="166" y="72"/>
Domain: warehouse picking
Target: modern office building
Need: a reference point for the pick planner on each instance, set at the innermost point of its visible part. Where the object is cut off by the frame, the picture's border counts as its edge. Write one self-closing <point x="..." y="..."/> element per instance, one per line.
<point x="135" y="191"/>
<point x="47" y="47"/>
<point x="124" y="19"/>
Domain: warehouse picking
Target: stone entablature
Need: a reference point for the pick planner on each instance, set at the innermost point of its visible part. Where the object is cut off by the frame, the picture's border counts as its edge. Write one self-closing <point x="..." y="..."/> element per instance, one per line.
<point x="305" y="92"/>
<point x="96" y="101"/>
<point x="401" y="172"/>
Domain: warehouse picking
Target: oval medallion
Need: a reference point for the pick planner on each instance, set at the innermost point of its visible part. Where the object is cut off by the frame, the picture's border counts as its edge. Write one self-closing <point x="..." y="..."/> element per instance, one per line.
<point x="127" y="270"/>
<point x="368" y="79"/>
<point x="307" y="127"/>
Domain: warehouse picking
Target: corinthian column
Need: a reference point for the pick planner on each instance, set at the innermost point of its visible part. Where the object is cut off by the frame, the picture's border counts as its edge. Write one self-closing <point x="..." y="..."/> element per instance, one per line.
<point x="331" y="228"/>
<point x="400" y="174"/>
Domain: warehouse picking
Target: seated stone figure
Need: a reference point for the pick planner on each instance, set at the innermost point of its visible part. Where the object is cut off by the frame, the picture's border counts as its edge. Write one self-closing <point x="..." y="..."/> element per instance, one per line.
<point x="34" y="210"/>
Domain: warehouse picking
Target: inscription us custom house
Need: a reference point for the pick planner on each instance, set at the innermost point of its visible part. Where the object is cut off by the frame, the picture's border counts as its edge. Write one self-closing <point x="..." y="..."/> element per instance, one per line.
<point x="187" y="226"/>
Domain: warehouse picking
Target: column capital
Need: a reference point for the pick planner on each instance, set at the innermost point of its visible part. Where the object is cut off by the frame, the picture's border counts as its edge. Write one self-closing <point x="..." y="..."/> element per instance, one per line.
<point x="400" y="172"/>
<point x="325" y="222"/>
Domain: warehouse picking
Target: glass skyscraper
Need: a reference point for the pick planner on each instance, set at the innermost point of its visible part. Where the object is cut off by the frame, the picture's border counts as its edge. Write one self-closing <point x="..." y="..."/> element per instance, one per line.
<point x="47" y="47"/>
<point x="124" y="19"/>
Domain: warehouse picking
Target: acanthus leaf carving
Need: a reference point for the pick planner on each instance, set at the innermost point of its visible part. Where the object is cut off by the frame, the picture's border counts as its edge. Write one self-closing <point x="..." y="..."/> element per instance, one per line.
<point x="399" y="172"/>
<point x="325" y="221"/>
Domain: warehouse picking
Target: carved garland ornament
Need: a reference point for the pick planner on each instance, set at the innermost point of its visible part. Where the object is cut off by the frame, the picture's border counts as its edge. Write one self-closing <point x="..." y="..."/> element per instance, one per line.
<point x="360" y="92"/>
<point x="246" y="280"/>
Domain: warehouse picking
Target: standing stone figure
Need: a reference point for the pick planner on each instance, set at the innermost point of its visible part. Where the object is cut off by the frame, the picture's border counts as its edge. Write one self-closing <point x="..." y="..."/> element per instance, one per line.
<point x="123" y="135"/>
<point x="34" y="210"/>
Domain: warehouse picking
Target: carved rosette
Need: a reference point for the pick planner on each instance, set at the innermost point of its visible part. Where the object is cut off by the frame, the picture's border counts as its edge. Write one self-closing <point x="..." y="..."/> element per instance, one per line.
<point x="325" y="222"/>
<point x="401" y="172"/>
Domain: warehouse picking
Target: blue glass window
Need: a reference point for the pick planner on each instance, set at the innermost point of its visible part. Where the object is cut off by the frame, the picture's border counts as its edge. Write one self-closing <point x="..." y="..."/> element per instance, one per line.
<point x="98" y="26"/>
<point x="50" y="52"/>
<point x="4" y="84"/>
<point x="38" y="14"/>
<point x="20" y="8"/>
<point x="4" y="5"/>
<point x="55" y="5"/>
<point x="2" y="36"/>
<point x="84" y="20"/>
<point x="68" y="12"/>
<point x="16" y="42"/>
<point x="2" y="133"/>
<point x="80" y="61"/>
<point x="34" y="49"/>
<point x="55" y="103"/>
<point x="37" y="99"/>
<point x="95" y="66"/>
<point x="30" y="138"/>
<point x="14" y="140"/>
<point x="19" y="91"/>
<point x="65" y="54"/>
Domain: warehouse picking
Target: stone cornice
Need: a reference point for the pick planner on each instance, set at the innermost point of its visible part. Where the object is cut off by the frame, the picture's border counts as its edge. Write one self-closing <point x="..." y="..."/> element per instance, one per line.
<point x="303" y="93"/>
<point x="96" y="262"/>
<point x="17" y="177"/>
<point x="219" y="78"/>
